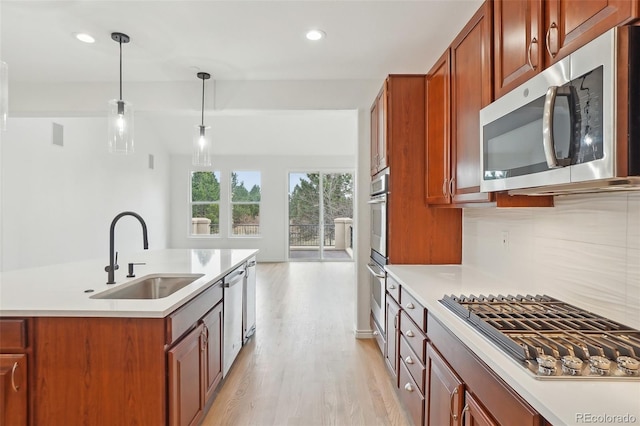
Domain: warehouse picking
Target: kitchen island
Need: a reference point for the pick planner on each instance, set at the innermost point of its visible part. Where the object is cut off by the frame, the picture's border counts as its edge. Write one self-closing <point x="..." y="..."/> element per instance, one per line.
<point x="75" y="359"/>
<point x="568" y="401"/>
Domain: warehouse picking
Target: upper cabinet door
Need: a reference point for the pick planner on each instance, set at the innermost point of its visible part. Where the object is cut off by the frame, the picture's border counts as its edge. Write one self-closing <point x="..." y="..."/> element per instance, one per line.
<point x="518" y="42"/>
<point x="381" y="103"/>
<point x="374" y="137"/>
<point x="470" y="92"/>
<point x="571" y="24"/>
<point x="438" y="121"/>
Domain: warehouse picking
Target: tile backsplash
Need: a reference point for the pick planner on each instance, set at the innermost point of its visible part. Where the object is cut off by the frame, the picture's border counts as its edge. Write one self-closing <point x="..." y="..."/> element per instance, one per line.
<point x="585" y="250"/>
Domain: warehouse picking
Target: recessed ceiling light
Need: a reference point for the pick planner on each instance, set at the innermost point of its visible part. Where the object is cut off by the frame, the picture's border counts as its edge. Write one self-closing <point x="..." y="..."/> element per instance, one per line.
<point x="315" y="35"/>
<point x="86" y="38"/>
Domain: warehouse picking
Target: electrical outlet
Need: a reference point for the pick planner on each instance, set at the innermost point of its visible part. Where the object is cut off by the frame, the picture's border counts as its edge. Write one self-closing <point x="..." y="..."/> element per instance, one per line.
<point x="505" y="240"/>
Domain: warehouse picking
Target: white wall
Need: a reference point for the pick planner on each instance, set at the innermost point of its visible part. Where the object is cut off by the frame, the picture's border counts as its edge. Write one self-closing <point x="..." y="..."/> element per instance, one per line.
<point x="585" y="250"/>
<point x="274" y="170"/>
<point x="58" y="202"/>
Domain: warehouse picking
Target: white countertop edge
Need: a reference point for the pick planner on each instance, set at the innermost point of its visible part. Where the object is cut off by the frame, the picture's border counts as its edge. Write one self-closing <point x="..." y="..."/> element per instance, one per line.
<point x="18" y="305"/>
<point x="548" y="397"/>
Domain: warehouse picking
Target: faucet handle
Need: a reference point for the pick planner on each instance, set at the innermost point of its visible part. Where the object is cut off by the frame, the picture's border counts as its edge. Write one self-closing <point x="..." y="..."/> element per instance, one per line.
<point x="131" y="274"/>
<point x="115" y="265"/>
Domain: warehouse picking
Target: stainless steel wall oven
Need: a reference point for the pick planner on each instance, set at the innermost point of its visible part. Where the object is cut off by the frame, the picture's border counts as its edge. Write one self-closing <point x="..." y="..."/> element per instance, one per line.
<point x="377" y="277"/>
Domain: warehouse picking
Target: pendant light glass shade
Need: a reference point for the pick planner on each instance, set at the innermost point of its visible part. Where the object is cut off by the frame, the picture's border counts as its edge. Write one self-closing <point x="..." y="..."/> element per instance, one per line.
<point x="120" y="118"/>
<point x="4" y="95"/>
<point x="120" y="127"/>
<point x="202" y="136"/>
<point x="201" y="146"/>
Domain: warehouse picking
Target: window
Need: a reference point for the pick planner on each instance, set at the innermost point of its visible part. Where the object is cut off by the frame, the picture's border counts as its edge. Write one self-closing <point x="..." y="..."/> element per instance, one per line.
<point x="205" y="203"/>
<point x="245" y="203"/>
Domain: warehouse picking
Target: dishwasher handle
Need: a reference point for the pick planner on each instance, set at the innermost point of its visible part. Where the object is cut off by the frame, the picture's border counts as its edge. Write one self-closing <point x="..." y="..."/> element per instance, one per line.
<point x="233" y="278"/>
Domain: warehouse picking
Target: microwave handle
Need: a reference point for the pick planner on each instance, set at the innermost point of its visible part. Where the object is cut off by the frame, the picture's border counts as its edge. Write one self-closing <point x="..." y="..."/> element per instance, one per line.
<point x="548" y="142"/>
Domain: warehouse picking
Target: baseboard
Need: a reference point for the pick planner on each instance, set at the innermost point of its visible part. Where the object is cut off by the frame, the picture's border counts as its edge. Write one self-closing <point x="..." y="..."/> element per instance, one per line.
<point x="364" y="334"/>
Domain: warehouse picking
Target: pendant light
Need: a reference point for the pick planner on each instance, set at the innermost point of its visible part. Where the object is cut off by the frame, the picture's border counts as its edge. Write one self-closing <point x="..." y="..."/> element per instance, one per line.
<point x="4" y="95"/>
<point x="120" y="121"/>
<point x="202" y="141"/>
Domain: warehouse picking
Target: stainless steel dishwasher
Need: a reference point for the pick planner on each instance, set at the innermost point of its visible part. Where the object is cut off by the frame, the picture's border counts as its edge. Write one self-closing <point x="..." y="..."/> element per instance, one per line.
<point x="249" y="311"/>
<point x="233" y="304"/>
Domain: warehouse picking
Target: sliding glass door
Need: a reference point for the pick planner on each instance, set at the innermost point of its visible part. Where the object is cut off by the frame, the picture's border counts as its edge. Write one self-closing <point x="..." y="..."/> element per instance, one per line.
<point x="320" y="216"/>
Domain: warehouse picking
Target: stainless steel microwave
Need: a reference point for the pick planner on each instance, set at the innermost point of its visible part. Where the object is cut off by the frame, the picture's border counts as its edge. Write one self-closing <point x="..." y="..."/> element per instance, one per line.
<point x="560" y="131"/>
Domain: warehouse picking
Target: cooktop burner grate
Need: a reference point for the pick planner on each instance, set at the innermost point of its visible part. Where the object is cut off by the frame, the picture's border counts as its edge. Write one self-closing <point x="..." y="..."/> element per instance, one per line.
<point x="553" y="338"/>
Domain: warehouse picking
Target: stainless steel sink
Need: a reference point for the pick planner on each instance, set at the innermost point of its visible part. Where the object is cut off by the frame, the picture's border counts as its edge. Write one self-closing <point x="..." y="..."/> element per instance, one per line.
<point x="154" y="286"/>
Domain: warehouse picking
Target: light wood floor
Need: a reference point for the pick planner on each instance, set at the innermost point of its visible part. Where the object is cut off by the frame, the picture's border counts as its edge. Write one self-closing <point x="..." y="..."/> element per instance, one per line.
<point x="304" y="365"/>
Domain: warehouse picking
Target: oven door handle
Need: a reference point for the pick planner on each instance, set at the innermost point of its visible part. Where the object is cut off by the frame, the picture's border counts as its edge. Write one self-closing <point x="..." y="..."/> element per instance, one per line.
<point x="374" y="273"/>
<point x="379" y="200"/>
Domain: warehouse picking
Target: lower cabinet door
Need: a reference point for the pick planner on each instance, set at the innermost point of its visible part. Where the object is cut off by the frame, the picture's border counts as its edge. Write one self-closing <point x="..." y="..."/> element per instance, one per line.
<point x="186" y="384"/>
<point x="410" y="395"/>
<point x="212" y="323"/>
<point x="475" y="414"/>
<point x="445" y="391"/>
<point x="13" y="390"/>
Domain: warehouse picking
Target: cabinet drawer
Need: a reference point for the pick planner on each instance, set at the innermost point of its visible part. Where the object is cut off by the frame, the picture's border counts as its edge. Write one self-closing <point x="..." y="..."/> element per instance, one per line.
<point x="181" y="320"/>
<point x="411" y="397"/>
<point x="415" y="310"/>
<point x="413" y="364"/>
<point x="414" y="336"/>
<point x="393" y="288"/>
<point x="13" y="334"/>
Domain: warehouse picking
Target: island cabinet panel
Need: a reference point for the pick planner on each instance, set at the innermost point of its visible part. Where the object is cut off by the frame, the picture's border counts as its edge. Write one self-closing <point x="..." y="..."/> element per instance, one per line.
<point x="504" y="404"/>
<point x="13" y="334"/>
<point x="92" y="371"/>
<point x="186" y="384"/>
<point x="13" y="390"/>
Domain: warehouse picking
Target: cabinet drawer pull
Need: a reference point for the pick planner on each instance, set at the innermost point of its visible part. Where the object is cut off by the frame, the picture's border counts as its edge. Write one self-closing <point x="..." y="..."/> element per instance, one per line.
<point x="555" y="51"/>
<point x="409" y="360"/>
<point x="392" y="287"/>
<point x="408" y="387"/>
<point x="375" y="333"/>
<point x="533" y="41"/>
<point x="454" y="393"/>
<point x="409" y="333"/>
<point x="15" y="387"/>
<point x="410" y="306"/>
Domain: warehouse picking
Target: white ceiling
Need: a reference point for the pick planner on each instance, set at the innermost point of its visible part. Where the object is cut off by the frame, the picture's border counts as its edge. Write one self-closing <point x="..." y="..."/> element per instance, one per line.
<point x="252" y="46"/>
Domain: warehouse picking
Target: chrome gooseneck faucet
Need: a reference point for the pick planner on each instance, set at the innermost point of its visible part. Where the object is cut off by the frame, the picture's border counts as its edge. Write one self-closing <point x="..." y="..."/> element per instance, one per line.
<point x="113" y="255"/>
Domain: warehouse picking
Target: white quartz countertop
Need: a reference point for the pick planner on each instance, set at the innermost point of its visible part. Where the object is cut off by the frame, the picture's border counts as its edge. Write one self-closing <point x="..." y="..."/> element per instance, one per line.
<point x="59" y="290"/>
<point x="561" y="402"/>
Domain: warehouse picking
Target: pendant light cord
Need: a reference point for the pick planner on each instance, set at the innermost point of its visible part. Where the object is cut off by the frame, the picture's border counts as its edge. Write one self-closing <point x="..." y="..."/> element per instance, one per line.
<point x="120" y="43"/>
<point x="202" y="118"/>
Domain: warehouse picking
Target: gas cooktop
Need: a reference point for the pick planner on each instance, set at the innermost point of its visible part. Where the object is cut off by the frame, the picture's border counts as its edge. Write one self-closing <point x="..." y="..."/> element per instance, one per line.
<point x="553" y="339"/>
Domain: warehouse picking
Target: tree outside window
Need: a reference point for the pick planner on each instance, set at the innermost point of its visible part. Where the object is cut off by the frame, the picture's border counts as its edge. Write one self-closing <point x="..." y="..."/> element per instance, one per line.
<point x="205" y="203"/>
<point x="245" y="203"/>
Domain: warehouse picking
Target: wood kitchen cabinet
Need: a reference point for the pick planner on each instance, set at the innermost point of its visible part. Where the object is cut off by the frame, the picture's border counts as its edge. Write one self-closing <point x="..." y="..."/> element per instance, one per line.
<point x="458" y="86"/>
<point x="474" y="414"/>
<point x="415" y="232"/>
<point x="530" y="35"/>
<point x="186" y="379"/>
<point x="14" y="403"/>
<point x="438" y="123"/>
<point x="152" y="371"/>
<point x="446" y="391"/>
<point x="15" y="354"/>
<point x="379" y="132"/>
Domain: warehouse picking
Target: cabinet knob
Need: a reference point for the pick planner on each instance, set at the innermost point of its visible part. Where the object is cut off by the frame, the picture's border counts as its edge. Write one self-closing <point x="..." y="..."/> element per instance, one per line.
<point x="408" y="360"/>
<point x="410" y="306"/>
<point x="409" y="333"/>
<point x="408" y="387"/>
<point x="392" y="287"/>
<point x="375" y="333"/>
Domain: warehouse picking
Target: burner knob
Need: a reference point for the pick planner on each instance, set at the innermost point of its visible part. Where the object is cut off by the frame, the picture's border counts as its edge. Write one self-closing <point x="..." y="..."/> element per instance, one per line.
<point x="546" y="361"/>
<point x="599" y="365"/>
<point x="630" y="366"/>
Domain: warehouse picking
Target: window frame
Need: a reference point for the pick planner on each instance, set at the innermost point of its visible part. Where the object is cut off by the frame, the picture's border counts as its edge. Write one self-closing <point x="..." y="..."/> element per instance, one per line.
<point x="233" y="203"/>
<point x="192" y="203"/>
